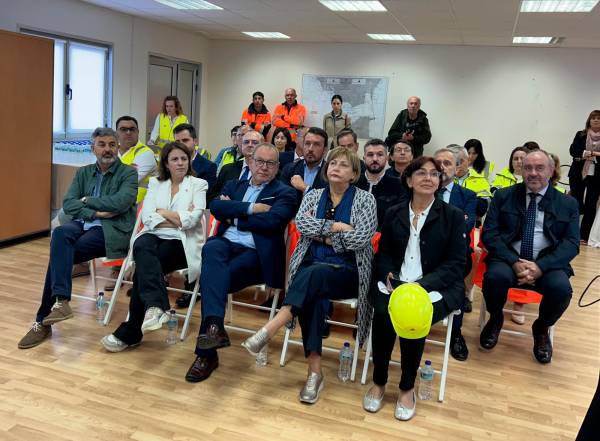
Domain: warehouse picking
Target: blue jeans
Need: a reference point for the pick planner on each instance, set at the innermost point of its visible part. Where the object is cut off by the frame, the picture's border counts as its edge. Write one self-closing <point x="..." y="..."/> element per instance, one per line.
<point x="70" y="244"/>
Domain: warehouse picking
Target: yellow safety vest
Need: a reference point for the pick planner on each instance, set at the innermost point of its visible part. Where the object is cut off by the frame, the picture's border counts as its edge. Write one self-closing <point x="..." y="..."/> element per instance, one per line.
<point x="203" y="152"/>
<point x="478" y="183"/>
<point x="129" y="158"/>
<point x="504" y="179"/>
<point x="165" y="129"/>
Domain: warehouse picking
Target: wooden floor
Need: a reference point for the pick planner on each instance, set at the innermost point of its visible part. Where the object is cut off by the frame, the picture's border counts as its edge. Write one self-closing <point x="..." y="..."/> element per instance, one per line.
<point x="70" y="388"/>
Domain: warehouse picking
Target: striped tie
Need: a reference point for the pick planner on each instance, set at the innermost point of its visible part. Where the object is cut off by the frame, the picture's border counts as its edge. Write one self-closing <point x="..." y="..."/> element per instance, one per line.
<point x="528" y="230"/>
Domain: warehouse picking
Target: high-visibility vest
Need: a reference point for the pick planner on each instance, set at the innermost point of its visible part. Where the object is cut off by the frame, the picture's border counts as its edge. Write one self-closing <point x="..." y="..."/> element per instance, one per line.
<point x="229" y="157"/>
<point x="129" y="158"/>
<point x="478" y="183"/>
<point x="165" y="128"/>
<point x="203" y="152"/>
<point x="504" y="179"/>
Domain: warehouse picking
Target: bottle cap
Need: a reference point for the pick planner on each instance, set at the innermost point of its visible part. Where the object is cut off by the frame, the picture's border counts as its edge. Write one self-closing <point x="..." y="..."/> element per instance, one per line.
<point x="346" y="344"/>
<point x="172" y="311"/>
<point x="428" y="362"/>
<point x="101" y="293"/>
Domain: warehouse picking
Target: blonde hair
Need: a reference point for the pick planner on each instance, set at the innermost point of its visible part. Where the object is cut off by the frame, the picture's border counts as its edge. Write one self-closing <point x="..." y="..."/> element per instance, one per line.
<point x="349" y="155"/>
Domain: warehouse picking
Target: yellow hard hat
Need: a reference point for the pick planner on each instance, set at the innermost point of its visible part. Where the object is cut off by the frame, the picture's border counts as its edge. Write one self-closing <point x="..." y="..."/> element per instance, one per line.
<point x="410" y="311"/>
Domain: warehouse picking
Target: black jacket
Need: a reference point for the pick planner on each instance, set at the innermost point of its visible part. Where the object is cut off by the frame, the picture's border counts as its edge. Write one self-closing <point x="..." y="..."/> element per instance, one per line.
<point x="443" y="249"/>
<point x="388" y="192"/>
<point x="576" y="150"/>
<point x="229" y="172"/>
<point x="420" y="127"/>
<point x="297" y="168"/>
<point x="506" y="218"/>
<point x="206" y="170"/>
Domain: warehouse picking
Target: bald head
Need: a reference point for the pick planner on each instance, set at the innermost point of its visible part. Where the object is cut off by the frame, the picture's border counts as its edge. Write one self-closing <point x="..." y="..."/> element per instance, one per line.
<point x="290" y="96"/>
<point x="413" y="104"/>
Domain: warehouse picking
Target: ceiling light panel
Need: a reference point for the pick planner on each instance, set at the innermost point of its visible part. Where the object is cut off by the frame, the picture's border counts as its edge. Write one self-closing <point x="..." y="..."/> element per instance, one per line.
<point x="392" y="37"/>
<point x="190" y="4"/>
<point x="558" y="5"/>
<point x="266" y="34"/>
<point x="353" y="6"/>
<point x="532" y="40"/>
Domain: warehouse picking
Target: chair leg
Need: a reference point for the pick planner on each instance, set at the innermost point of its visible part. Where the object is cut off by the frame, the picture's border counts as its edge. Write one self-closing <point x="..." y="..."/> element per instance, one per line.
<point x="284" y="347"/>
<point x="482" y="313"/>
<point x="365" y="371"/>
<point x="354" y="361"/>
<point x="551" y="333"/>
<point x="276" y="293"/>
<point x="93" y="276"/>
<point x="115" y="293"/>
<point x="188" y="315"/>
<point x="445" y="359"/>
<point x="229" y="311"/>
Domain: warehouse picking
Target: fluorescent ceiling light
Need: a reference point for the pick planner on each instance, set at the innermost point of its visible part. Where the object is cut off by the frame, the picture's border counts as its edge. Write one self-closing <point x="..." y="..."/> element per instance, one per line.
<point x="266" y="34"/>
<point x="353" y="6"/>
<point x="558" y="5"/>
<point x="392" y="37"/>
<point x="532" y="40"/>
<point x="189" y="4"/>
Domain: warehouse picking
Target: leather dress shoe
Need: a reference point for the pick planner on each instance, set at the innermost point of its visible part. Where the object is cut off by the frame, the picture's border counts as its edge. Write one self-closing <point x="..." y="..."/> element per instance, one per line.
<point x="213" y="338"/>
<point x="490" y="333"/>
<point x="468" y="306"/>
<point x="183" y="301"/>
<point x="372" y="403"/>
<point x="201" y="369"/>
<point x="542" y="348"/>
<point x="458" y="347"/>
<point x="405" y="413"/>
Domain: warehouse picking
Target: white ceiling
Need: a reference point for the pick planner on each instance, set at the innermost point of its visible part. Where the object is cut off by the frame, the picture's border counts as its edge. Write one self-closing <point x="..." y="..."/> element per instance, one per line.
<point x="459" y="22"/>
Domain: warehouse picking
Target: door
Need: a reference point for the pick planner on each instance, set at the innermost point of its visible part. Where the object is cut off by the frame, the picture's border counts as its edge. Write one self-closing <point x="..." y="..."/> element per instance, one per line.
<point x="171" y="77"/>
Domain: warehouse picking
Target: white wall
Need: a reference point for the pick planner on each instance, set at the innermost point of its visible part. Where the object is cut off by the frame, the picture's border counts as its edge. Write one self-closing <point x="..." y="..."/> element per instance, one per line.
<point x="133" y="39"/>
<point x="502" y="95"/>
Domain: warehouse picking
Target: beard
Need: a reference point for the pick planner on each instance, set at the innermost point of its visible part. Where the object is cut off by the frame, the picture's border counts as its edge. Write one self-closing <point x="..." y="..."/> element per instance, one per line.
<point x="375" y="168"/>
<point x="104" y="160"/>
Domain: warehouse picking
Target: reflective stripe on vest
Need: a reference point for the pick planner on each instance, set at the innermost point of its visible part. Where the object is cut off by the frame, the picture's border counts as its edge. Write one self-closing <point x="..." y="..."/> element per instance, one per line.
<point x="129" y="158"/>
<point x="165" y="132"/>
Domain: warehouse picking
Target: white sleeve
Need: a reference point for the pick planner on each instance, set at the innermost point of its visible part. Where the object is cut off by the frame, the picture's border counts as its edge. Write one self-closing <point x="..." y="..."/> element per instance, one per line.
<point x="146" y="165"/>
<point x="155" y="129"/>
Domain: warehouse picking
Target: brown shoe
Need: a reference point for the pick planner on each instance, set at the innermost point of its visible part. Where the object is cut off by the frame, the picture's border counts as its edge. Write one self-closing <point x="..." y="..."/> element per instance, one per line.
<point x="80" y="269"/>
<point x="37" y="334"/>
<point x="60" y="311"/>
<point x="201" y="369"/>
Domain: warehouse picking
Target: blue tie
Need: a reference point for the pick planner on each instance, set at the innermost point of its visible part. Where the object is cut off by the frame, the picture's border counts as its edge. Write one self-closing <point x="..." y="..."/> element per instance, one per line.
<point x="528" y="230"/>
<point x="244" y="176"/>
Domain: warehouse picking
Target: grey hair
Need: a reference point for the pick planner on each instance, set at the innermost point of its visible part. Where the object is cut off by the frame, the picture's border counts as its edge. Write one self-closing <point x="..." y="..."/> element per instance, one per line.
<point x="458" y="150"/>
<point x="103" y="131"/>
<point x="447" y="150"/>
<point x="262" y="138"/>
<point x="265" y="145"/>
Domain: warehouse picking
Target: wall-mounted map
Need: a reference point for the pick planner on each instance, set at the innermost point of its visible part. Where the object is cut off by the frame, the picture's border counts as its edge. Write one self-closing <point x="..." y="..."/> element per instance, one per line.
<point x="364" y="101"/>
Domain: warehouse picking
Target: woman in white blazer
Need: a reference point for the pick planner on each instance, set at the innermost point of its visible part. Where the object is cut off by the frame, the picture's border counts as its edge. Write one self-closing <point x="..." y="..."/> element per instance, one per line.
<point x="171" y="239"/>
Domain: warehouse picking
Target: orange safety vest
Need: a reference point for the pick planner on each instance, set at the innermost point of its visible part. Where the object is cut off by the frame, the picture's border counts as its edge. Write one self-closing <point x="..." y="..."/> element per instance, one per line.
<point x="291" y="118"/>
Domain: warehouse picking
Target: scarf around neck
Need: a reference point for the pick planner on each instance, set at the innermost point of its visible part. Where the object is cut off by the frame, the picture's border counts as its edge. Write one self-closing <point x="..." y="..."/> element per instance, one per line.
<point x="592" y="144"/>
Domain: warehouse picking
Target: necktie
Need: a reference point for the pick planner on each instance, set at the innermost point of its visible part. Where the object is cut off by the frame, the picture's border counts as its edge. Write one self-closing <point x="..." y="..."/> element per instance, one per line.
<point x="245" y="171"/>
<point x="528" y="229"/>
<point x="441" y="193"/>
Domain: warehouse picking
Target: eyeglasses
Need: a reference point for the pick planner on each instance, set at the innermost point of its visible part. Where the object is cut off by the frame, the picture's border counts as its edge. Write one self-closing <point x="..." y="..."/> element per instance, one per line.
<point x="424" y="173"/>
<point x="127" y="129"/>
<point x="261" y="163"/>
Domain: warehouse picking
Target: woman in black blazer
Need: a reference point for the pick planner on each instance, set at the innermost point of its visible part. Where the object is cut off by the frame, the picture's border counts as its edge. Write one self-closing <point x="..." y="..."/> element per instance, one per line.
<point x="585" y="171"/>
<point x="422" y="241"/>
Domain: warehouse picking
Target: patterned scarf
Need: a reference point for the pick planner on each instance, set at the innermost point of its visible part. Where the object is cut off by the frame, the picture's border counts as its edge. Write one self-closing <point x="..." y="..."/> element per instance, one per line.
<point x="592" y="144"/>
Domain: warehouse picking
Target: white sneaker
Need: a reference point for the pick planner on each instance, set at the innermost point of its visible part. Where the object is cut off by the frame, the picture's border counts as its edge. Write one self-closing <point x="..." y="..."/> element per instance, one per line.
<point x="154" y="319"/>
<point x="113" y="344"/>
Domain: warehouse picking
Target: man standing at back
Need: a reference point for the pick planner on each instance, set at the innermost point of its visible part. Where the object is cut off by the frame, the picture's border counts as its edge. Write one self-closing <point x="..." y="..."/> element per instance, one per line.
<point x="411" y="125"/>
<point x="289" y="114"/>
<point x="531" y="233"/>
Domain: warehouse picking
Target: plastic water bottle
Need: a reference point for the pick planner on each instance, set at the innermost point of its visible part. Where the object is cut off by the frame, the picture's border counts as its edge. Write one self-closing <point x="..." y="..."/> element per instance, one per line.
<point x="426" y="381"/>
<point x="346" y="357"/>
<point x="100" y="308"/>
<point x="172" y="327"/>
<point x="261" y="357"/>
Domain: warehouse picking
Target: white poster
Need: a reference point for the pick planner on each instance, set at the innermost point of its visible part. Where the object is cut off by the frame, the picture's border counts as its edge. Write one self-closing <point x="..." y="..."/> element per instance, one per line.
<point x="364" y="101"/>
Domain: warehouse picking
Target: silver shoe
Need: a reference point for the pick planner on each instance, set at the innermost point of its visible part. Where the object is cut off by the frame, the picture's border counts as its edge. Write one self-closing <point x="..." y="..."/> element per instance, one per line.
<point x="312" y="388"/>
<point x="113" y="344"/>
<point x="154" y="319"/>
<point x="405" y="413"/>
<point x="372" y="404"/>
<point x="257" y="341"/>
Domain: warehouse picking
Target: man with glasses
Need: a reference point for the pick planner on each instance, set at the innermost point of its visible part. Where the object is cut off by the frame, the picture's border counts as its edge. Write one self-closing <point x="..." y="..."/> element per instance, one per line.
<point x="240" y="170"/>
<point x="135" y="153"/>
<point x="400" y="155"/>
<point x="248" y="248"/>
<point x="531" y="233"/>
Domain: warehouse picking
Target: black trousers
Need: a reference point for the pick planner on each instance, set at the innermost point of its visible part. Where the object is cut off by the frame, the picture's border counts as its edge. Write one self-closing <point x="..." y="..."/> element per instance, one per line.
<point x="457" y="320"/>
<point x="554" y="286"/>
<point x="384" y="337"/>
<point x="592" y="183"/>
<point x="154" y="257"/>
<point x="313" y="286"/>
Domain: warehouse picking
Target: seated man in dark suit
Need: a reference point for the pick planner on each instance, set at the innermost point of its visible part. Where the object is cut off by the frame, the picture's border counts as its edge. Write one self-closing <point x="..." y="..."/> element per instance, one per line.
<point x="101" y="204"/>
<point x="388" y="191"/>
<point x="203" y="168"/>
<point x="306" y="174"/>
<point x="249" y="249"/>
<point x="240" y="170"/>
<point x="466" y="200"/>
<point x="531" y="233"/>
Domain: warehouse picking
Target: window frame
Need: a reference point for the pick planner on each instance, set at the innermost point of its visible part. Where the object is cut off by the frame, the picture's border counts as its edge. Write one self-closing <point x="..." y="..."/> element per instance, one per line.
<point x="65" y="134"/>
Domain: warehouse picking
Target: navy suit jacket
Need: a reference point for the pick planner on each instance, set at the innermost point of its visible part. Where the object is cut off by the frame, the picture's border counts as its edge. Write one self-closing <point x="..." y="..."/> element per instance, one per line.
<point x="506" y="218"/>
<point x="466" y="200"/>
<point x="297" y="168"/>
<point x="267" y="228"/>
<point x="285" y="158"/>
<point x="206" y="170"/>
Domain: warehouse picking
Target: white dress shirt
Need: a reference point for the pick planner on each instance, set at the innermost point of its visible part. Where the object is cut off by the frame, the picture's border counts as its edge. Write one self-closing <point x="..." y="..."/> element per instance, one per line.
<point x="411" y="269"/>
